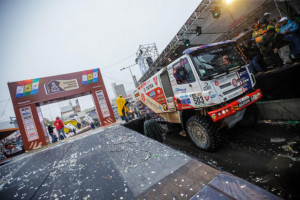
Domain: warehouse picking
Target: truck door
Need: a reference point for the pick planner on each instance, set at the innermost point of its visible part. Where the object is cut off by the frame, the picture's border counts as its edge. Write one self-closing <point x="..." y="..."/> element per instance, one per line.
<point x="166" y="85"/>
<point x="185" y="84"/>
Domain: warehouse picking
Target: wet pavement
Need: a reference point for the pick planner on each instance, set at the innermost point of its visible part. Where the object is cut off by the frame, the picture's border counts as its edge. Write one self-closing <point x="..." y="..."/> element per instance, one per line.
<point x="117" y="163"/>
<point x="249" y="154"/>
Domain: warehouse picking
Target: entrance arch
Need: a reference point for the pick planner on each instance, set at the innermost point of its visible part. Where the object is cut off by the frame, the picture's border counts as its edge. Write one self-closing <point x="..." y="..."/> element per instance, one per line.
<point x="27" y="97"/>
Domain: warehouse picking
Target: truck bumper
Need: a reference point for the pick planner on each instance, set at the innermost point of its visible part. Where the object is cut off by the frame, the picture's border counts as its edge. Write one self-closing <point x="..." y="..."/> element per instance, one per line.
<point x="235" y="106"/>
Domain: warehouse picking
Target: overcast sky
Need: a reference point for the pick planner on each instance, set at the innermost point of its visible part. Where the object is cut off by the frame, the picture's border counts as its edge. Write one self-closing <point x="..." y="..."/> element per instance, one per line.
<point x="41" y="38"/>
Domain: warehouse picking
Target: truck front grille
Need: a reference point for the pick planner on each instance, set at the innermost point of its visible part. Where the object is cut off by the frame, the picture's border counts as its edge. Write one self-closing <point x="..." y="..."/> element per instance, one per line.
<point x="234" y="89"/>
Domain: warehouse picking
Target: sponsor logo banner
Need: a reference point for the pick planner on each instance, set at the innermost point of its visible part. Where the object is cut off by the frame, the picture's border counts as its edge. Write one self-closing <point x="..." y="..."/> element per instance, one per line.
<point x="57" y="86"/>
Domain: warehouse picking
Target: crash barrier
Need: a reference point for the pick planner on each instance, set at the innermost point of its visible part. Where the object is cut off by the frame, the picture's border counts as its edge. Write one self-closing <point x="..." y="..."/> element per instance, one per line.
<point x="284" y="109"/>
<point x="118" y="163"/>
<point x="281" y="94"/>
<point x="280" y="83"/>
<point x="136" y="125"/>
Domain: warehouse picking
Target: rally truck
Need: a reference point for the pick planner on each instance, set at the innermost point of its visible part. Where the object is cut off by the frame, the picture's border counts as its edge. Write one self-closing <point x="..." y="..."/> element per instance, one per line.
<point x="209" y="87"/>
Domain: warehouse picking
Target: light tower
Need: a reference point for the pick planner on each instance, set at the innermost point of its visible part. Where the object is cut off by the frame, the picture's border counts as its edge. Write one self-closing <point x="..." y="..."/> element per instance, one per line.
<point x="146" y="55"/>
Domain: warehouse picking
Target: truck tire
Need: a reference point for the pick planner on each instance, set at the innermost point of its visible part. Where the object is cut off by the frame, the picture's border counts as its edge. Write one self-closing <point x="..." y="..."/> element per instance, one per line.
<point x="250" y="117"/>
<point x="203" y="132"/>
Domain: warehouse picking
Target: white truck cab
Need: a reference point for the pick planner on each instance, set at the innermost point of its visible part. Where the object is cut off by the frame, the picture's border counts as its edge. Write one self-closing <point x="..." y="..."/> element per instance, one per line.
<point x="208" y="87"/>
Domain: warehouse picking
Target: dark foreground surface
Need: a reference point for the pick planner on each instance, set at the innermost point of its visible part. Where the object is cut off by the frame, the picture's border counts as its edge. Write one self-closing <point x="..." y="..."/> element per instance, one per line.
<point x="118" y="163"/>
<point x="249" y="154"/>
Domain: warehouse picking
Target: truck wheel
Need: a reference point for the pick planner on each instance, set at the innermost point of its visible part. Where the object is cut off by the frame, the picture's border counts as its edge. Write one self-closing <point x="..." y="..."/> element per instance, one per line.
<point x="250" y="117"/>
<point x="203" y="132"/>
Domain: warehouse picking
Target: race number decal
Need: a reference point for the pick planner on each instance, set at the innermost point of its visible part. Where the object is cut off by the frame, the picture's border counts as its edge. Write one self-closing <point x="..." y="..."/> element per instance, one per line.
<point x="198" y="99"/>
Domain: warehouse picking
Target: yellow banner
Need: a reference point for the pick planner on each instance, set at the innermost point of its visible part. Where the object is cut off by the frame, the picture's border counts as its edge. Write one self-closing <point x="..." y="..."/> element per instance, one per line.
<point x="27" y="88"/>
<point x="90" y="76"/>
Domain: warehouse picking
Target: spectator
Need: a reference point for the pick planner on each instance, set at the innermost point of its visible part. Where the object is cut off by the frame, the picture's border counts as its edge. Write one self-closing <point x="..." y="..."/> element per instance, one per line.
<point x="290" y="29"/>
<point x="271" y="25"/>
<point x="50" y="130"/>
<point x="277" y="27"/>
<point x="263" y="26"/>
<point x="255" y="31"/>
<point x="152" y="129"/>
<point x="78" y="125"/>
<point x="266" y="17"/>
<point x="280" y="46"/>
<point x="122" y="108"/>
<point x="270" y="42"/>
<point x="60" y="128"/>
<point x="92" y="126"/>
<point x="253" y="54"/>
<point x="137" y="111"/>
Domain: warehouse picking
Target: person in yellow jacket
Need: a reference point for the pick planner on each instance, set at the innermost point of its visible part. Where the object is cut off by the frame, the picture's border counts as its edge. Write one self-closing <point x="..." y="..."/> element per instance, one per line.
<point x="122" y="108"/>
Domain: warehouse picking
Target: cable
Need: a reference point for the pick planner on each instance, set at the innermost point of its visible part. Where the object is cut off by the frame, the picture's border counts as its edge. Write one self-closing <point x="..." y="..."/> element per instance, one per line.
<point x="118" y="62"/>
<point x="117" y="79"/>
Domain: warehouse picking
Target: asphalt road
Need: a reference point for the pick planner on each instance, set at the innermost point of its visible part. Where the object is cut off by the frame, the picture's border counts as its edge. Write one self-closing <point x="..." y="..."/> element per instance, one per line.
<point x="249" y="154"/>
<point x="117" y="163"/>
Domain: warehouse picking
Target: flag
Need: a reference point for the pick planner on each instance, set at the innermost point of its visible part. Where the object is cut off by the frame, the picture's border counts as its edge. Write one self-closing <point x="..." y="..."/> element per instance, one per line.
<point x="90" y="76"/>
<point x="35" y="86"/>
<point x="84" y="78"/>
<point x="27" y="88"/>
<point x="20" y="89"/>
<point x="95" y="75"/>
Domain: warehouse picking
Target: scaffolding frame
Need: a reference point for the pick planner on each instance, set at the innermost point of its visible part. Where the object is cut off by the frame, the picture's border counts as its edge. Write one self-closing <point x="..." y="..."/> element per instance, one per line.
<point x="200" y="17"/>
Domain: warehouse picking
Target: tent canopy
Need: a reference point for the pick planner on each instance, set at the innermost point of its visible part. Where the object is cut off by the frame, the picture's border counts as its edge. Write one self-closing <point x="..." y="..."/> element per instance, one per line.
<point x="7" y="128"/>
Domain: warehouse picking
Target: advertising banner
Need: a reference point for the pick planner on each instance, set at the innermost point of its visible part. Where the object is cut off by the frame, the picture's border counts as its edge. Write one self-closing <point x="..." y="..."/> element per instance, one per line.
<point x="57" y="86"/>
<point x="102" y="103"/>
<point x="29" y="125"/>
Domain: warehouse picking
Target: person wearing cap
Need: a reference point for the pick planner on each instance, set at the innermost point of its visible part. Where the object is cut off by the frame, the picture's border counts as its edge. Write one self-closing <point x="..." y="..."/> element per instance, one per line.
<point x="290" y="29"/>
<point x="266" y="17"/>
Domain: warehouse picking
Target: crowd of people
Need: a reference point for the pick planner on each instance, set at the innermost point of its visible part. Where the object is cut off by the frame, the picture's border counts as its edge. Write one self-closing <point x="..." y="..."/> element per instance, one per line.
<point x="60" y="132"/>
<point x="274" y="43"/>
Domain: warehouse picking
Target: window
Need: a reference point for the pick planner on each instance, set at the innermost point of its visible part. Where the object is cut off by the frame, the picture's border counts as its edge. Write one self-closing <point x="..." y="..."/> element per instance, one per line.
<point x="182" y="72"/>
<point x="217" y="60"/>
<point x="164" y="77"/>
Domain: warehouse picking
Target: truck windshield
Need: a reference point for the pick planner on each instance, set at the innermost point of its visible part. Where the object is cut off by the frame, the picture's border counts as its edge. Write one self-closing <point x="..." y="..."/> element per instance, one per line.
<point x="217" y="60"/>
